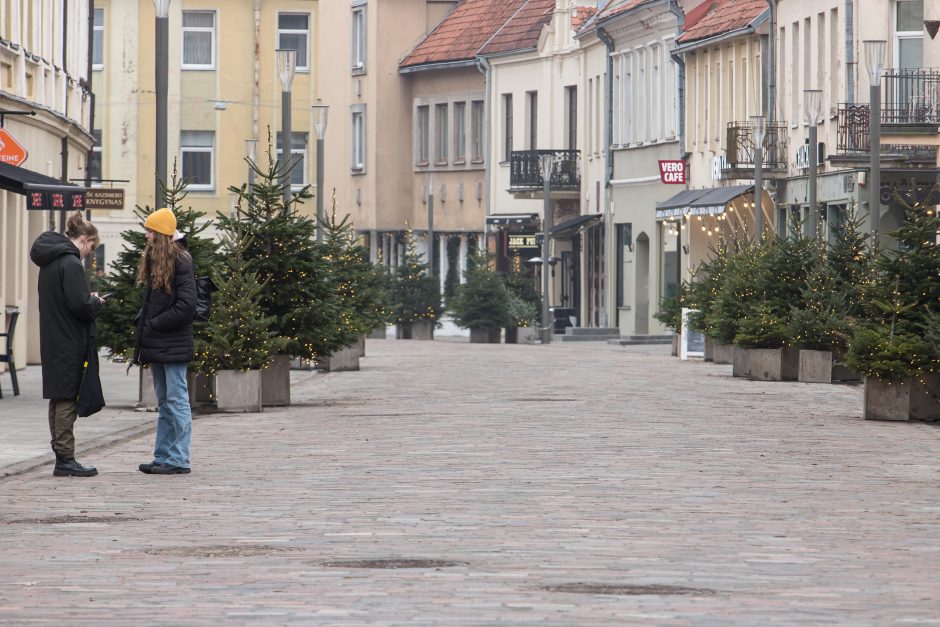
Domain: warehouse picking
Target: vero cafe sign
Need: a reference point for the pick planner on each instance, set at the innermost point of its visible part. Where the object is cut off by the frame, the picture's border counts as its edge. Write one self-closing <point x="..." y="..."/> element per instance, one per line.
<point x="673" y="172"/>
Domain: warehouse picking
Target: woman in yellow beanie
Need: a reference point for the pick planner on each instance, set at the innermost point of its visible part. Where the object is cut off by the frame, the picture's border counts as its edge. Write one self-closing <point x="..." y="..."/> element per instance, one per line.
<point x="165" y="339"/>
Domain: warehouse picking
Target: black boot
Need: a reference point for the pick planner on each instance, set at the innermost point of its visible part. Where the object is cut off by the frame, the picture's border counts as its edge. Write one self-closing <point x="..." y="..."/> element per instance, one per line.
<point x="68" y="467"/>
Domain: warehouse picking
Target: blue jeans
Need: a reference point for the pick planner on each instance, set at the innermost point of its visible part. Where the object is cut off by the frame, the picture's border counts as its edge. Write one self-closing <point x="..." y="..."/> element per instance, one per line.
<point x="175" y="422"/>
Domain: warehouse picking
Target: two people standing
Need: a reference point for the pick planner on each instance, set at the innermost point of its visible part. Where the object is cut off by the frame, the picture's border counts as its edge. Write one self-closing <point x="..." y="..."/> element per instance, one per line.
<point x="164" y="340"/>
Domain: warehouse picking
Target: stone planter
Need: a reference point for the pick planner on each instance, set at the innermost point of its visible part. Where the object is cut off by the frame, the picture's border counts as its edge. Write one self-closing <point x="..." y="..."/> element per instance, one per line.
<point x="887" y="399"/>
<point x="512" y="335"/>
<point x="146" y="396"/>
<point x="723" y="353"/>
<point x="527" y="335"/>
<point x="815" y="366"/>
<point x="275" y="382"/>
<point x="739" y="360"/>
<point x="675" y="344"/>
<point x="361" y="345"/>
<point x="343" y="360"/>
<point x="925" y="398"/>
<point x="201" y="388"/>
<point x="773" y="364"/>
<point x="485" y="336"/>
<point x="238" y="391"/>
<point x="420" y="330"/>
<point x="844" y="374"/>
<point x="378" y="333"/>
<point x="709" y="350"/>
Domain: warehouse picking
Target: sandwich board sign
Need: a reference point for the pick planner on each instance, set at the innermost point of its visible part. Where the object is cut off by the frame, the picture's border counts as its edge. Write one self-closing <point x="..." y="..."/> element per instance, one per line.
<point x="691" y="343"/>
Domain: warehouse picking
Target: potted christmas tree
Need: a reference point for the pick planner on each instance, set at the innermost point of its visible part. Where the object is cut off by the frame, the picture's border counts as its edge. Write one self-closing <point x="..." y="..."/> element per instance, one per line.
<point x="415" y="297"/>
<point x="670" y="313"/>
<point x="482" y="302"/>
<point x="239" y="339"/>
<point x="525" y="305"/>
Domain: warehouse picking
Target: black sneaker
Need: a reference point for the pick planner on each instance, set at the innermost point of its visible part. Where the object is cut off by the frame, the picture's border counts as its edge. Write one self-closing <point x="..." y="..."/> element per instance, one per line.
<point x="71" y="468"/>
<point x="147" y="468"/>
<point x="167" y="469"/>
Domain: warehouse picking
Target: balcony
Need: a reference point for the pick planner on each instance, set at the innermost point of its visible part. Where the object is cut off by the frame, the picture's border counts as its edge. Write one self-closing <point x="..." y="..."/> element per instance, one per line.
<point x="854" y="141"/>
<point x="525" y="174"/>
<point x="741" y="145"/>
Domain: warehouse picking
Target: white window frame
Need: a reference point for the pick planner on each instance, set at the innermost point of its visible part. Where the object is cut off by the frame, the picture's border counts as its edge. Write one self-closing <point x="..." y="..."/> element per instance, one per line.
<point x="212" y="45"/>
<point x="357" y="129"/>
<point x="210" y="150"/>
<point x="460" y="132"/>
<point x="358" y="37"/>
<point x="303" y="64"/>
<point x="477" y="147"/>
<point x="900" y="35"/>
<point x="422" y="135"/>
<point x="98" y="36"/>
<point x="441" y="133"/>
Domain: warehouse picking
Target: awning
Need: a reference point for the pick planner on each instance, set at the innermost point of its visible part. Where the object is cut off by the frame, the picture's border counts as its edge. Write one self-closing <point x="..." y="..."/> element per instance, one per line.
<point x="698" y="202"/>
<point x="574" y="224"/>
<point x="520" y="219"/>
<point x="41" y="191"/>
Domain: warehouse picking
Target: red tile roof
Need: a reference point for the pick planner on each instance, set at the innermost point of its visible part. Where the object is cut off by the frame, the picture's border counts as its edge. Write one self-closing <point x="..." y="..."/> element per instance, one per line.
<point x="522" y="30"/>
<point x="617" y="7"/>
<point x="581" y="15"/>
<point x="461" y="34"/>
<point x="723" y="16"/>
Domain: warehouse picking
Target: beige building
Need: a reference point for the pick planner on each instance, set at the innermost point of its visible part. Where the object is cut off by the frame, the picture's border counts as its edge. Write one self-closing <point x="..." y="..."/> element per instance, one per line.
<point x="45" y="108"/>
<point x="223" y="91"/>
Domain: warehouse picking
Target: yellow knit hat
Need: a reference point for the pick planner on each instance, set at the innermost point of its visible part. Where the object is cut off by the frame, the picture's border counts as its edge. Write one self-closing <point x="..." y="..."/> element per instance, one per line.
<point x="161" y="221"/>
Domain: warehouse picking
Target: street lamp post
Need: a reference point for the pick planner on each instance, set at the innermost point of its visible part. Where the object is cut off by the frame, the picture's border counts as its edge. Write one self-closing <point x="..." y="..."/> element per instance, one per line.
<point x="430" y="225"/>
<point x="161" y="56"/>
<point x="875" y="58"/>
<point x="251" y="151"/>
<point x="286" y="66"/>
<point x="547" y="162"/>
<point x="811" y="105"/>
<point x="759" y="129"/>
<point x="320" y="115"/>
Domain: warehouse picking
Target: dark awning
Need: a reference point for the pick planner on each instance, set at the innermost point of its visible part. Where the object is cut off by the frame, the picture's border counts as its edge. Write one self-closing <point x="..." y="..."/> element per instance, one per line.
<point x="573" y="224"/>
<point x="41" y="191"/>
<point x="520" y="219"/>
<point x="710" y="201"/>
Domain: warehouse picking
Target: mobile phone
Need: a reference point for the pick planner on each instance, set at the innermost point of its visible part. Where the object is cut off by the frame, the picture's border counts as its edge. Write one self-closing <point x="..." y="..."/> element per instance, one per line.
<point x="105" y="295"/>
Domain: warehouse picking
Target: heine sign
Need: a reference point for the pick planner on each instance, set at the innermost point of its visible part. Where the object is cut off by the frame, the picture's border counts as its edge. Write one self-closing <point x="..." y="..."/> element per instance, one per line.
<point x="672" y="172"/>
<point x="45" y="198"/>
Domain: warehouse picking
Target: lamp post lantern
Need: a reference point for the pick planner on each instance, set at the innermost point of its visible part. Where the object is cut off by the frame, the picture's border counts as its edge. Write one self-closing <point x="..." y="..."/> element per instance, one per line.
<point x="547" y="163"/>
<point x="286" y="66"/>
<point x="811" y="106"/>
<point x="161" y="55"/>
<point x="874" y="58"/>
<point x="759" y="129"/>
<point x="320" y="116"/>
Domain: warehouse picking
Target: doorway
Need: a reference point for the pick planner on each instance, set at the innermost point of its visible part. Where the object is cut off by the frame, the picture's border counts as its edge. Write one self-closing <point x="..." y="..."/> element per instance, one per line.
<point x="642" y="296"/>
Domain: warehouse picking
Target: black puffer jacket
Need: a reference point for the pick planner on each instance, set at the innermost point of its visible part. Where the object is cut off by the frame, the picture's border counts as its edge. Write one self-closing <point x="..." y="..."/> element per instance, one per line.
<point x="67" y="313"/>
<point x="165" y="327"/>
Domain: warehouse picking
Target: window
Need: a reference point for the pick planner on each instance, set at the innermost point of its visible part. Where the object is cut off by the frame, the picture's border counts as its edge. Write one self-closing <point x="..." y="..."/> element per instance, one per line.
<point x="298" y="150"/>
<point x="571" y="93"/>
<point x="359" y="35"/>
<point x="533" y="121"/>
<point x="358" y="139"/>
<point x="441" y="131"/>
<point x="293" y="33"/>
<point x="507" y="127"/>
<point x="97" y="41"/>
<point x="476" y="130"/>
<point x="910" y="35"/>
<point x="196" y="156"/>
<point x="460" y="132"/>
<point x="198" y="40"/>
<point x="795" y="74"/>
<point x="656" y="93"/>
<point x="589" y="122"/>
<point x="422" y="135"/>
<point x="94" y="159"/>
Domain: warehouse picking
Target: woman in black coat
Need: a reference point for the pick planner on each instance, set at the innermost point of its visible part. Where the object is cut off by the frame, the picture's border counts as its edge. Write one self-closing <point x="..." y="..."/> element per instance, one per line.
<point x="67" y="312"/>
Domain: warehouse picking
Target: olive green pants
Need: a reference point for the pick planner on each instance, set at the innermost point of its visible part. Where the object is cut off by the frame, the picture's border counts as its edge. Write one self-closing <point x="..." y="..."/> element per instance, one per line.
<point x="62" y="416"/>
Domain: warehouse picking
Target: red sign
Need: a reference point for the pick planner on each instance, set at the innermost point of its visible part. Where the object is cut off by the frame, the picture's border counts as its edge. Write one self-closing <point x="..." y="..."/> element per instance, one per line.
<point x="11" y="151"/>
<point x="672" y="172"/>
<point x="55" y="198"/>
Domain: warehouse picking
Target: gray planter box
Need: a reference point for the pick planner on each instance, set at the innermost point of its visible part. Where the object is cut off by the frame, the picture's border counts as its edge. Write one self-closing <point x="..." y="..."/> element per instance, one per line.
<point x="343" y="360"/>
<point x="484" y="336"/>
<point x="527" y="335"/>
<point x="675" y="344"/>
<point x="361" y="346"/>
<point x="146" y="396"/>
<point x="201" y="388"/>
<point x="421" y="330"/>
<point x="378" y="333"/>
<point x="740" y="360"/>
<point x="238" y="391"/>
<point x="773" y="364"/>
<point x="709" y="350"/>
<point x="275" y="382"/>
<point x="723" y="353"/>
<point x="815" y="366"/>
<point x="925" y="398"/>
<point x="887" y="400"/>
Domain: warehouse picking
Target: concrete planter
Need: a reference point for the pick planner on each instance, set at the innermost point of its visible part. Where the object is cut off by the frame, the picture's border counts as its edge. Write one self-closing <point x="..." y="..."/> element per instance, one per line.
<point x="275" y="382"/>
<point x="201" y="388"/>
<point x="420" y="330"/>
<point x="485" y="336"/>
<point x="723" y="353"/>
<point x="361" y="345"/>
<point x="512" y="335"/>
<point x="844" y="374"/>
<point x="238" y="391"/>
<point x="925" y="398"/>
<point x="343" y="360"/>
<point x="146" y="396"/>
<point x="887" y="399"/>
<point x="378" y="333"/>
<point x="675" y="344"/>
<point x="527" y="335"/>
<point x="773" y="364"/>
<point x="740" y="361"/>
<point x="815" y="366"/>
<point x="709" y="350"/>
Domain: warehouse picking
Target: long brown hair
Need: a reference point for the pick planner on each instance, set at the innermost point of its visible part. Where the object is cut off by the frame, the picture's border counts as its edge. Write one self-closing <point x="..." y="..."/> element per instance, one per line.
<point x="158" y="263"/>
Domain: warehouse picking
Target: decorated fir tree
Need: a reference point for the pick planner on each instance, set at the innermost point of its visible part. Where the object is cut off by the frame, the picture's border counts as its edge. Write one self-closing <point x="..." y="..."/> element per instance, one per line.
<point x="482" y="300"/>
<point x="731" y="289"/>
<point x="525" y="299"/>
<point x="239" y="335"/>
<point x="117" y="323"/>
<point x="414" y="295"/>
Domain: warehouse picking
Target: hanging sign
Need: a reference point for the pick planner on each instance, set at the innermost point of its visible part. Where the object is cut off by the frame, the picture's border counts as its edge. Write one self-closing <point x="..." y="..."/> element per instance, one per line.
<point x="48" y="198"/>
<point x="11" y="151"/>
<point x="672" y="172"/>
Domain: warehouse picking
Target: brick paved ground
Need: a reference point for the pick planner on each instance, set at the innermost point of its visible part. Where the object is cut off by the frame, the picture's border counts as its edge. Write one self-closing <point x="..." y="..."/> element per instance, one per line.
<point x="530" y="467"/>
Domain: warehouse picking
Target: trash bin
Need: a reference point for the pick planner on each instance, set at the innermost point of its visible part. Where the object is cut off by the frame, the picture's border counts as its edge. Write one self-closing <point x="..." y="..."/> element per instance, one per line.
<point x="563" y="317"/>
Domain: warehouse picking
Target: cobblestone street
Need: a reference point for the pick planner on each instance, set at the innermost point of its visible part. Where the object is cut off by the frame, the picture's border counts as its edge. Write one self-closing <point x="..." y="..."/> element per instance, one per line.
<point x="518" y="472"/>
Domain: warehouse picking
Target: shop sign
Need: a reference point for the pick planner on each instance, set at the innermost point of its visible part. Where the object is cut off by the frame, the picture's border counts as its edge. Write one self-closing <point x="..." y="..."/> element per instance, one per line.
<point x="11" y="151"/>
<point x="672" y="172"/>
<point x="97" y="198"/>
<point x="40" y="197"/>
<point x="719" y="163"/>
<point x="802" y="155"/>
<point x="515" y="242"/>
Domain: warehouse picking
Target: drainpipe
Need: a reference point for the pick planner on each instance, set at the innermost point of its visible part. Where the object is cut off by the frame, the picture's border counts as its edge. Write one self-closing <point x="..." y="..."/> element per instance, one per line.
<point x="485" y="68"/>
<point x="680" y="78"/>
<point x="772" y="65"/>
<point x="608" y="175"/>
<point x="255" y="89"/>
<point x="91" y="96"/>
<point x="850" y="51"/>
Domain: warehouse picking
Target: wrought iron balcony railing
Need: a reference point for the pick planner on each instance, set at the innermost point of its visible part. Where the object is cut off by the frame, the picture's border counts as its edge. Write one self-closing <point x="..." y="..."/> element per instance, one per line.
<point x="910" y="97"/>
<point x="526" y="170"/>
<point x="741" y="145"/>
<point x="854" y="134"/>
